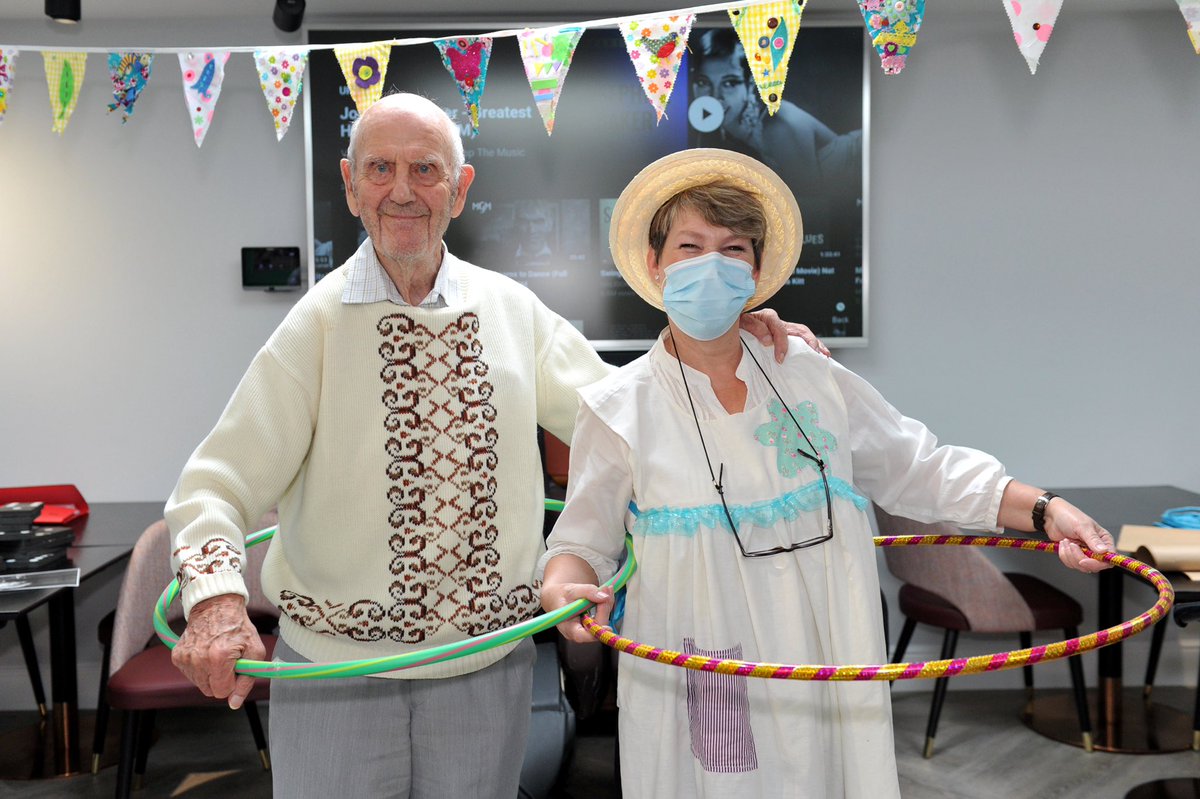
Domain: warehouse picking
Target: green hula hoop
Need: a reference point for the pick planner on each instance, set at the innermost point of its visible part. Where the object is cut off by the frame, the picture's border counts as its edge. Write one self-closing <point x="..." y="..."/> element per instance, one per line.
<point x="408" y="660"/>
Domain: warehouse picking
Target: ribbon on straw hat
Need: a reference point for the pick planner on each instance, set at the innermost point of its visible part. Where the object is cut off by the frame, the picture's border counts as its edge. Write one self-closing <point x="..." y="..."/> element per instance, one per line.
<point x="629" y="228"/>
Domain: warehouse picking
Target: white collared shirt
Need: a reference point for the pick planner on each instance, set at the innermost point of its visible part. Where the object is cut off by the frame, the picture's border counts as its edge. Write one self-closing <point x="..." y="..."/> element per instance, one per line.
<point x="367" y="281"/>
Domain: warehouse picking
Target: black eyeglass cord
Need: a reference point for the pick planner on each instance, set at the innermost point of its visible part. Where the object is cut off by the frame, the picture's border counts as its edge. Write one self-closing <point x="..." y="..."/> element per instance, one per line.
<point x="814" y="457"/>
<point x="719" y="478"/>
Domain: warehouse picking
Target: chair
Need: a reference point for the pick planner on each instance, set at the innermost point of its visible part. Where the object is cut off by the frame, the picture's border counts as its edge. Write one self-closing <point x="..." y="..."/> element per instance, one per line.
<point x="1186" y="591"/>
<point x="137" y="675"/>
<point x="959" y="590"/>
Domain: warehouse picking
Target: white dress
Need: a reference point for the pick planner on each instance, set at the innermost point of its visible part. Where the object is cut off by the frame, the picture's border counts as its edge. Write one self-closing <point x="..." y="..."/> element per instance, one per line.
<point x="637" y="463"/>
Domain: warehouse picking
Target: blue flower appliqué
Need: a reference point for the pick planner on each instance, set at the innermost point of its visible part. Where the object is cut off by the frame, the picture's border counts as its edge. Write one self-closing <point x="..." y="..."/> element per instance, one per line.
<point x="781" y="432"/>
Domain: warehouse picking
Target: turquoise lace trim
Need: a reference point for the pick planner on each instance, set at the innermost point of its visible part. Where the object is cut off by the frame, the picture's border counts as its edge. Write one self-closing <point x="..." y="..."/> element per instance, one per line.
<point x="787" y="508"/>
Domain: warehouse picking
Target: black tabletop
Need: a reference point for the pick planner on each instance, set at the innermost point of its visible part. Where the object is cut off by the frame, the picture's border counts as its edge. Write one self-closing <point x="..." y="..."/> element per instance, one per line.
<point x="115" y="523"/>
<point x="89" y="560"/>
<point x="1118" y="505"/>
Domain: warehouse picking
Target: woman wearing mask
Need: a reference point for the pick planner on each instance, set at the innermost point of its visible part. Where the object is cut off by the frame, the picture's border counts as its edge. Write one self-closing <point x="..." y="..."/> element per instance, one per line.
<point x="746" y="484"/>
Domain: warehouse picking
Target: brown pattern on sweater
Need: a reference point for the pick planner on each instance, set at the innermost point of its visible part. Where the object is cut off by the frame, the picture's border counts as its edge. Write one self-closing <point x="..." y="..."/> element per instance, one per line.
<point x="441" y="445"/>
<point x="213" y="556"/>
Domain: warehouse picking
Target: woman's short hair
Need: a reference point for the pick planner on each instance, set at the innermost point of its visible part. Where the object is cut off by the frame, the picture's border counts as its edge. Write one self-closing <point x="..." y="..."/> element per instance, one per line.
<point x="719" y="202"/>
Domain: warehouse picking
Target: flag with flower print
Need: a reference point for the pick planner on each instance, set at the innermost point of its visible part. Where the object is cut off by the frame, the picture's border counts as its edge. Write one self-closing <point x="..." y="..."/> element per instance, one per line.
<point x="363" y="66"/>
<point x="8" y="62"/>
<point x="203" y="74"/>
<point x="546" y="53"/>
<point x="129" y="72"/>
<point x="892" y="26"/>
<point x="1191" y="15"/>
<point x="768" y="34"/>
<point x="466" y="58"/>
<point x="281" y="77"/>
<point x="656" y="46"/>
<point x="64" y="77"/>
<point x="1032" y="23"/>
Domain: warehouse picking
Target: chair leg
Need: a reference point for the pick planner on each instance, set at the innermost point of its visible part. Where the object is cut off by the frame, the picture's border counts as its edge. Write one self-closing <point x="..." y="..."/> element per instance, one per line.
<point x="905" y="636"/>
<point x="887" y="644"/>
<point x="145" y="737"/>
<point x="31" y="663"/>
<point x="1156" y="642"/>
<point x="949" y="642"/>
<point x="1196" y="717"/>
<point x="101" y="731"/>
<point x="256" y="729"/>
<point x="1080" y="690"/>
<point x="1026" y="639"/>
<point x="129" y="736"/>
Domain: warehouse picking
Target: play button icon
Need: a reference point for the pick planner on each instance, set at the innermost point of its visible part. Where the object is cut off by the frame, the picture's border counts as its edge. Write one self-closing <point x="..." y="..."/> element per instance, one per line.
<point x="706" y="114"/>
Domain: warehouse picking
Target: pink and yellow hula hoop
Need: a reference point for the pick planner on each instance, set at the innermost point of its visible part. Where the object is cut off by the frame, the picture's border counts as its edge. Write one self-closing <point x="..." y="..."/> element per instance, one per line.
<point x="999" y="661"/>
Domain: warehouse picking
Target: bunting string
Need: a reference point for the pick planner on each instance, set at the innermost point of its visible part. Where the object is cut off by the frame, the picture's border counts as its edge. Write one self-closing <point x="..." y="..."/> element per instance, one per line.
<point x="768" y="32"/>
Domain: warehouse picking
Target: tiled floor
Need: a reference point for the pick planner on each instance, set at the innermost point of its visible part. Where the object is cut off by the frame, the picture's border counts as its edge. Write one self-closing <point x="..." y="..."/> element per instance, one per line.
<point x="984" y="752"/>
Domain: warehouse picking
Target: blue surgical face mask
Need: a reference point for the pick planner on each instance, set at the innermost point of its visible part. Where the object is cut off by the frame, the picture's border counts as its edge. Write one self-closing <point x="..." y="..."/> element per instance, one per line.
<point x="705" y="295"/>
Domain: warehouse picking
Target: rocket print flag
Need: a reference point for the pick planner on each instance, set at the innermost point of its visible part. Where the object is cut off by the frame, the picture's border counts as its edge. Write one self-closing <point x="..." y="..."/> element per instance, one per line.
<point x="8" y="62"/>
<point x="203" y="74"/>
<point x="129" y="73"/>
<point x="768" y="33"/>
<point x="1032" y="23"/>
<point x="1191" y="14"/>
<point x="656" y="47"/>
<point x="363" y="67"/>
<point x="892" y="26"/>
<point x="64" y="77"/>
<point x="547" y="55"/>
<point x="466" y="57"/>
<point x="281" y="77"/>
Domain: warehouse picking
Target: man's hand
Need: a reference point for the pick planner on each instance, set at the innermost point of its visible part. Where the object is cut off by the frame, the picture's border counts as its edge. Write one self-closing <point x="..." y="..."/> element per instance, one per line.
<point x="218" y="634"/>
<point x="765" y="325"/>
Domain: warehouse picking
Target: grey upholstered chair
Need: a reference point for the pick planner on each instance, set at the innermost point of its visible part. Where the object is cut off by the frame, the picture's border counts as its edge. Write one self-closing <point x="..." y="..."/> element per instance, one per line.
<point x="958" y="589"/>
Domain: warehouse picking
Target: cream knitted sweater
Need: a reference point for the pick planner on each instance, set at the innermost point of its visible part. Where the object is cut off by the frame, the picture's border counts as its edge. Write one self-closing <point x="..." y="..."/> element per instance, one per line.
<point x="400" y="445"/>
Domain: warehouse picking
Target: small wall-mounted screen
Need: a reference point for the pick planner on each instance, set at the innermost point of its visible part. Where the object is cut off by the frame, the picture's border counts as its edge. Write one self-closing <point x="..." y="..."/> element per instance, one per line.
<point x="271" y="268"/>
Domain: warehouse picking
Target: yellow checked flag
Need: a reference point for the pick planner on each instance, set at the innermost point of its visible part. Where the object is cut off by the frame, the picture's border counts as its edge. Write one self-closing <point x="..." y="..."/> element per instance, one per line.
<point x="64" y="77"/>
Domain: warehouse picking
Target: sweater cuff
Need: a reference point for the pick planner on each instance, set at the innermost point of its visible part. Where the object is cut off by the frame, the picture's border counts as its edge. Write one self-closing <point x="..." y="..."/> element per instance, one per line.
<point x="207" y="586"/>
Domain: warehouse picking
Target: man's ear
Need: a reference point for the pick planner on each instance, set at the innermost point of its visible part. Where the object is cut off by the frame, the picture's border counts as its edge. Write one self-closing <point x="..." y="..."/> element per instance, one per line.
<point x="464" y="182"/>
<point x="348" y="185"/>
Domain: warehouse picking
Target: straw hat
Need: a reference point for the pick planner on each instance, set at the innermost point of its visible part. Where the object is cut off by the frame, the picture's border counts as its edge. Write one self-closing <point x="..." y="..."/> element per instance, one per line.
<point x="629" y="228"/>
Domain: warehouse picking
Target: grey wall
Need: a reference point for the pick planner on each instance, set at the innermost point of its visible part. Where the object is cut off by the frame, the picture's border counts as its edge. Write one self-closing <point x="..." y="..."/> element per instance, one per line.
<point x="1033" y="283"/>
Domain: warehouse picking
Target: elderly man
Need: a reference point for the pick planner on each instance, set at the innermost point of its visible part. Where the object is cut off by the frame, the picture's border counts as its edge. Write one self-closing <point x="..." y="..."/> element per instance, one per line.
<point x="392" y="417"/>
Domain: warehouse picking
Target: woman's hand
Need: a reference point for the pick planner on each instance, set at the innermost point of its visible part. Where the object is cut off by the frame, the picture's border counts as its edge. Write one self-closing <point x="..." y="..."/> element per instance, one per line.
<point x="1071" y="527"/>
<point x="556" y="595"/>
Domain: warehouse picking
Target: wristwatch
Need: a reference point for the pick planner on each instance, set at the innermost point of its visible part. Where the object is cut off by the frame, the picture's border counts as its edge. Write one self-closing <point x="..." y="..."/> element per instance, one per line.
<point x="1039" y="511"/>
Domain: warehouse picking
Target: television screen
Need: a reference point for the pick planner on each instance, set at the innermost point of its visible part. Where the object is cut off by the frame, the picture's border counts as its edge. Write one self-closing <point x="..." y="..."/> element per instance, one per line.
<point x="539" y="207"/>
<point x="271" y="268"/>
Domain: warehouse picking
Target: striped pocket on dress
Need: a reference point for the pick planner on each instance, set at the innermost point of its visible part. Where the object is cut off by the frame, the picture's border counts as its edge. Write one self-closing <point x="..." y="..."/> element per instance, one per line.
<point x="719" y="715"/>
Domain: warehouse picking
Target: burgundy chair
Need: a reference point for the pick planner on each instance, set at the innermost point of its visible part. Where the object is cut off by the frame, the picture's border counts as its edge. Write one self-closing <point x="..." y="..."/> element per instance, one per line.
<point x="957" y="589"/>
<point x="137" y="675"/>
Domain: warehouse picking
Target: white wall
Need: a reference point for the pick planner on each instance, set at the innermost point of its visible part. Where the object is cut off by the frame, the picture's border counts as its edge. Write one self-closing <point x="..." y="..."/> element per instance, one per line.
<point x="1032" y="290"/>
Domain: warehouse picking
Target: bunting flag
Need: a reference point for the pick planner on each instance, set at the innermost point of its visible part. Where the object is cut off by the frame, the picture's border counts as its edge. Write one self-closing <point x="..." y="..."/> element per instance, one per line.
<point x="8" y="62"/>
<point x="203" y="74"/>
<point x="129" y="73"/>
<point x="892" y="26"/>
<point x="1191" y="14"/>
<point x="466" y="58"/>
<point x="363" y="67"/>
<point x="768" y="33"/>
<point x="1032" y="23"/>
<point x="656" y="46"/>
<point x="281" y="78"/>
<point x="547" y="54"/>
<point x="64" y="77"/>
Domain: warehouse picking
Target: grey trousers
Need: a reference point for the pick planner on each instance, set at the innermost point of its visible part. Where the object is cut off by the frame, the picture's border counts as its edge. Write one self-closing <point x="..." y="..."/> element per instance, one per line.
<point x="373" y="737"/>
